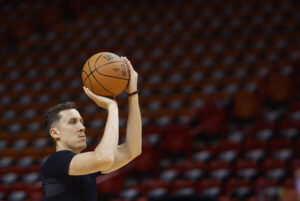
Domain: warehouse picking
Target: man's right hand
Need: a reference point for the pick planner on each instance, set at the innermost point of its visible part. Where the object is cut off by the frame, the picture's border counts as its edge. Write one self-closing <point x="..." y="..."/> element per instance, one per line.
<point x="101" y="101"/>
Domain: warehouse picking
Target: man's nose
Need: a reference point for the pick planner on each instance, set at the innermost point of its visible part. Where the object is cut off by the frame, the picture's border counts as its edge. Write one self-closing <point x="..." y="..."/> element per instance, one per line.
<point x="82" y="129"/>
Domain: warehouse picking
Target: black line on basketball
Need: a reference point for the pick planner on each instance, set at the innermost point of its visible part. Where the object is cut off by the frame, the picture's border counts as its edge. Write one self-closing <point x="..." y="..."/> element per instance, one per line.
<point x="89" y="80"/>
<point x="97" y="60"/>
<point x="99" y="82"/>
<point x="87" y="76"/>
<point x="111" y="76"/>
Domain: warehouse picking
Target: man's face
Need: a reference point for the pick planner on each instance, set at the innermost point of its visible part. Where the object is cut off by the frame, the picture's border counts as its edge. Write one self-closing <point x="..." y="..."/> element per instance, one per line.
<point x="71" y="130"/>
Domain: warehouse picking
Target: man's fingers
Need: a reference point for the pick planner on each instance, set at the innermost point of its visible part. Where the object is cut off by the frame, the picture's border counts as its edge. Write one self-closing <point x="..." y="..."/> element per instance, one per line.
<point x="128" y="62"/>
<point x="88" y="92"/>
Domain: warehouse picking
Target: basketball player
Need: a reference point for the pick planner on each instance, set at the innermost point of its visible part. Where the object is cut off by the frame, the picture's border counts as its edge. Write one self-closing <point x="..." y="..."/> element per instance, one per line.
<point x="68" y="174"/>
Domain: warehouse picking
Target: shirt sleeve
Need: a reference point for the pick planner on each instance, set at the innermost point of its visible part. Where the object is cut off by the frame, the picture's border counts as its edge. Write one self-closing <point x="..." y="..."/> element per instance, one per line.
<point x="58" y="164"/>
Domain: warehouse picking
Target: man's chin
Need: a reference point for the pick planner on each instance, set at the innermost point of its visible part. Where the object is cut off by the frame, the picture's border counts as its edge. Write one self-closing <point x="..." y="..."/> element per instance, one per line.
<point x="83" y="147"/>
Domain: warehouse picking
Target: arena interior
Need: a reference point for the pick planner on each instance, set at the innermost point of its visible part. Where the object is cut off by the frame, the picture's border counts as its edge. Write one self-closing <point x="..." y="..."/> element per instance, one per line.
<point x="219" y="94"/>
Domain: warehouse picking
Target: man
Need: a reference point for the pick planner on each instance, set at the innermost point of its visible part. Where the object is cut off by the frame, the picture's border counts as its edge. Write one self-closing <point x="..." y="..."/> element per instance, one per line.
<point x="68" y="175"/>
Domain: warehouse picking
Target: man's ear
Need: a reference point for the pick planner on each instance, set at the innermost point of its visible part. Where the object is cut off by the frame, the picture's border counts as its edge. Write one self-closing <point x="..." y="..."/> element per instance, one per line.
<point x="54" y="133"/>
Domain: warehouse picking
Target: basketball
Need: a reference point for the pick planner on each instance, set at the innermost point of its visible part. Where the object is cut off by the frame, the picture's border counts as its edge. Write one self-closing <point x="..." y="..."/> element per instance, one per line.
<point x="105" y="74"/>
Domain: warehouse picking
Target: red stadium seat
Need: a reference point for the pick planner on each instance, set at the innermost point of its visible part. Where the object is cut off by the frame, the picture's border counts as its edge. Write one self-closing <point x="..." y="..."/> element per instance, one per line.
<point x="153" y="184"/>
<point x="177" y="140"/>
<point x="148" y="160"/>
<point x="180" y="184"/>
<point x="205" y="185"/>
<point x="281" y="149"/>
<point x="245" y="106"/>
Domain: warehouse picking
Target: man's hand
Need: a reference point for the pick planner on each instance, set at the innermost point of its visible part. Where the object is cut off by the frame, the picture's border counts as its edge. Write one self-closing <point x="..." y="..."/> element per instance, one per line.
<point x="132" y="85"/>
<point x="101" y="101"/>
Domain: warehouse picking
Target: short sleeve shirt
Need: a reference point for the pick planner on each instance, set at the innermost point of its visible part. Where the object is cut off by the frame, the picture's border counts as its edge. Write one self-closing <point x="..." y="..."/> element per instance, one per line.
<point x="58" y="185"/>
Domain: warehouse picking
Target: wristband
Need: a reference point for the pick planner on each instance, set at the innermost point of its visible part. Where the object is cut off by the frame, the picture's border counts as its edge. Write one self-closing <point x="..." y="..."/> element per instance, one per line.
<point x="136" y="92"/>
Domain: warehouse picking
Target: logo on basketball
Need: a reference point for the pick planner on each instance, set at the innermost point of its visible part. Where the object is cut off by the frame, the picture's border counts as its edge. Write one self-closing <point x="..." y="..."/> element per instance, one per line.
<point x="123" y="70"/>
<point x="110" y="56"/>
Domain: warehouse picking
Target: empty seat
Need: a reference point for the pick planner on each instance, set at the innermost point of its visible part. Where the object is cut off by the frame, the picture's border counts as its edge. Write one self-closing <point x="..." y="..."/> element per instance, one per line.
<point x="192" y="170"/>
<point x="294" y="111"/>
<point x="246" y="169"/>
<point x="20" y="144"/>
<point x="281" y="149"/>
<point x="228" y="151"/>
<point x="40" y="143"/>
<point x="4" y="189"/>
<point x="17" y="196"/>
<point x="255" y="150"/>
<point x="242" y="192"/>
<point x="148" y="161"/>
<point x="3" y="144"/>
<point x="9" y="178"/>
<point x="209" y="121"/>
<point x="20" y="186"/>
<point x="209" y="188"/>
<point x="278" y="89"/>
<point x="289" y="129"/>
<point x="240" y="189"/>
<point x="10" y="152"/>
<point x="219" y="170"/>
<point x="274" y="169"/>
<point x="169" y="175"/>
<point x="113" y="185"/>
<point x="205" y="155"/>
<point x="180" y="184"/>
<point x="263" y="131"/>
<point x="158" y="194"/>
<point x="129" y="194"/>
<point x="5" y="161"/>
<point x="31" y="178"/>
<point x="2" y="195"/>
<point x="31" y="152"/>
<point x="236" y="136"/>
<point x="245" y="106"/>
<point x="152" y="184"/>
<point x="177" y="140"/>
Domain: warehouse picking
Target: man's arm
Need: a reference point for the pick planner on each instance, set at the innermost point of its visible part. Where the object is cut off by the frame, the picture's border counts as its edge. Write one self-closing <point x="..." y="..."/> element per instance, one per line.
<point x="133" y="144"/>
<point x="103" y="156"/>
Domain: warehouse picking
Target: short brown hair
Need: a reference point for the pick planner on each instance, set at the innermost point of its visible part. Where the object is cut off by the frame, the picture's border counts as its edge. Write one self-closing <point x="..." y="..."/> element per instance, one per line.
<point x="52" y="115"/>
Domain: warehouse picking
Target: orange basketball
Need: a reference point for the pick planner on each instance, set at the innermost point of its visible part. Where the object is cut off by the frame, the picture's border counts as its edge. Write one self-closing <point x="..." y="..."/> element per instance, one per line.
<point x="105" y="74"/>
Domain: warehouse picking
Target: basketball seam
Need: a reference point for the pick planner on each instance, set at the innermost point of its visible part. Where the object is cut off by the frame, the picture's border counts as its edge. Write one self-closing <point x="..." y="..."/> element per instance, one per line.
<point x="89" y="80"/>
<point x="91" y="72"/>
<point x="98" y="68"/>
<point x="87" y="76"/>
<point x="111" y="76"/>
<point x="98" y="81"/>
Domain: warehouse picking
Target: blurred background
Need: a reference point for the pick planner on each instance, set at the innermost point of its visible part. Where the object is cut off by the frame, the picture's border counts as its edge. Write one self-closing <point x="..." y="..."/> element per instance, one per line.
<point x="219" y="94"/>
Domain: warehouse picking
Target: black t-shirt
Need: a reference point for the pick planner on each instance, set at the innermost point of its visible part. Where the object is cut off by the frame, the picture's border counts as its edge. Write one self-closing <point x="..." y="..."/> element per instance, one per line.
<point x="58" y="185"/>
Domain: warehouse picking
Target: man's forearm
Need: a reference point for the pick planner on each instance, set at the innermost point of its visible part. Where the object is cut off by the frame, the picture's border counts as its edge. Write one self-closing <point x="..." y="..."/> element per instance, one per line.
<point x="110" y="138"/>
<point x="134" y="127"/>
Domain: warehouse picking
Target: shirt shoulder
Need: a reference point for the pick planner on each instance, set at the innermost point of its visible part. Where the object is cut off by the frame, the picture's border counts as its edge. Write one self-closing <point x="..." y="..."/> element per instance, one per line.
<point x="57" y="165"/>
